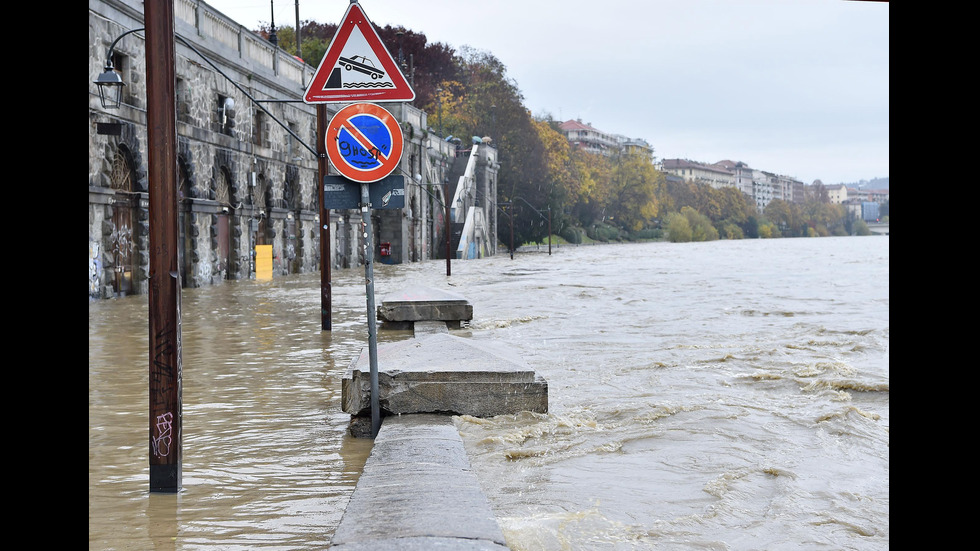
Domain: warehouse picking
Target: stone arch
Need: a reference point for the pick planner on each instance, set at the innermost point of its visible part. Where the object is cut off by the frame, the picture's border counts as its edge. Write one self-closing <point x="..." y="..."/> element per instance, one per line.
<point x="222" y="187"/>
<point x="221" y="242"/>
<point x="263" y="198"/>
<point x="293" y="197"/>
<point x="290" y="192"/>
<point x="121" y="232"/>
<point x="187" y="231"/>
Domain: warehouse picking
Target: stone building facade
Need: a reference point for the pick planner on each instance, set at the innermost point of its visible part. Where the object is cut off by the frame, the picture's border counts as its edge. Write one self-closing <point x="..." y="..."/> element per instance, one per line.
<point x="246" y="166"/>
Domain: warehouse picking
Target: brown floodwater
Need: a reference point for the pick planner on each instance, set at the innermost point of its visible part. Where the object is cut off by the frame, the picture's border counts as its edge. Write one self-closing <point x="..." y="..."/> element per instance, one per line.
<point x="722" y="395"/>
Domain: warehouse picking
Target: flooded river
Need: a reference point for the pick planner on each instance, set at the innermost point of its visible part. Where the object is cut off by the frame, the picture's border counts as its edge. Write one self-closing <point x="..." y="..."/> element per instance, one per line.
<point x="729" y="395"/>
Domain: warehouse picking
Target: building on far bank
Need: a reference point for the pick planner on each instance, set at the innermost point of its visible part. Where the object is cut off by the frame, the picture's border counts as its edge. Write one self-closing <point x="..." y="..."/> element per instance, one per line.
<point x="583" y="136"/>
<point x="837" y="193"/>
<point x="714" y="175"/>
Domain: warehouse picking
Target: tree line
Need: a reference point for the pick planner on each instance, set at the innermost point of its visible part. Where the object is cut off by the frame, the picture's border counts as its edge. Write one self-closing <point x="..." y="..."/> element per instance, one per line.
<point x="467" y="93"/>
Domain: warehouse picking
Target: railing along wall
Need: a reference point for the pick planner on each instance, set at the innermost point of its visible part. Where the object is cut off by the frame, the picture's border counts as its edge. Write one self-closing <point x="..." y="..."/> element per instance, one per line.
<point x="238" y="44"/>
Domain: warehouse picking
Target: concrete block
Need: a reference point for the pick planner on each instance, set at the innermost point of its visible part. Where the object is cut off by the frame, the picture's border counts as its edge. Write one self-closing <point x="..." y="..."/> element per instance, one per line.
<point x="443" y="373"/>
<point x="424" y="304"/>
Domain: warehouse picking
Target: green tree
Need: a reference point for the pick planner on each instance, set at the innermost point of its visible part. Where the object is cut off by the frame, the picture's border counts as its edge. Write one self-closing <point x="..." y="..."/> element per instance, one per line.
<point x="589" y="194"/>
<point x="701" y="226"/>
<point x="785" y="217"/>
<point x="633" y="191"/>
<point x="679" y="228"/>
<point x="861" y="227"/>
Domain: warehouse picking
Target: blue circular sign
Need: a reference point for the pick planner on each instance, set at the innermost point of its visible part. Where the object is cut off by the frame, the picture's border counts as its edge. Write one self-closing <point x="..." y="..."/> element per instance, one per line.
<point x="364" y="142"/>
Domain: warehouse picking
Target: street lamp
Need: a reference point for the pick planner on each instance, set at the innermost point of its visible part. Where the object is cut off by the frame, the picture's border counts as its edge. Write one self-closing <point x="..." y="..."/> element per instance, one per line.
<point x="110" y="86"/>
<point x="109" y="82"/>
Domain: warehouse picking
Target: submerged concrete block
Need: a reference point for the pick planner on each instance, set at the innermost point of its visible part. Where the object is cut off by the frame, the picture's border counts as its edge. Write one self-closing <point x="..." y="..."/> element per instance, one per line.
<point x="443" y="373"/>
<point x="424" y="304"/>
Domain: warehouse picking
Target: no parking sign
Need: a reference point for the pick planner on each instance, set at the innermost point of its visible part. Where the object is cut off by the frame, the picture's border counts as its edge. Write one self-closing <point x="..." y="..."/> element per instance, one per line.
<point x="364" y="142"/>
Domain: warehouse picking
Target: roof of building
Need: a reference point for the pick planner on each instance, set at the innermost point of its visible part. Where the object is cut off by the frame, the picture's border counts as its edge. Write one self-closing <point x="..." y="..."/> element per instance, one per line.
<point x="674" y="164"/>
<point x="576" y="125"/>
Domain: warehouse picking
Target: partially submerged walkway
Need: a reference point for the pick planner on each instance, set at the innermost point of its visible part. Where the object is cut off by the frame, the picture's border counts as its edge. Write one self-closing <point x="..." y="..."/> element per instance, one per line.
<point x="417" y="491"/>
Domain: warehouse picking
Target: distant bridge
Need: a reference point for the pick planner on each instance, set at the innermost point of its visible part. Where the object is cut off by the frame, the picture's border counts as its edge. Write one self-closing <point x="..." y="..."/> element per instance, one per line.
<point x="881" y="229"/>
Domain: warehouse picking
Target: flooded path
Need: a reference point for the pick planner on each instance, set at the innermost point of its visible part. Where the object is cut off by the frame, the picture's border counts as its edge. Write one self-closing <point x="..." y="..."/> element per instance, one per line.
<point x="722" y="395"/>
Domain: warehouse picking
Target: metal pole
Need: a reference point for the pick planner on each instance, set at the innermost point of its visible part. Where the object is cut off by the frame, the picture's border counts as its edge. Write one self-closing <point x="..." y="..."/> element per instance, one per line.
<point x="299" y="47"/>
<point x="449" y="245"/>
<point x="512" y="231"/>
<point x="321" y="163"/>
<point x="164" y="291"/>
<point x="371" y="314"/>
<point x="549" y="230"/>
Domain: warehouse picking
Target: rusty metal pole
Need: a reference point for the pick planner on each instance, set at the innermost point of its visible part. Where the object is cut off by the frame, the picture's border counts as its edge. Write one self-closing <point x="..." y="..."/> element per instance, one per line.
<point x="321" y="163"/>
<point x="164" y="290"/>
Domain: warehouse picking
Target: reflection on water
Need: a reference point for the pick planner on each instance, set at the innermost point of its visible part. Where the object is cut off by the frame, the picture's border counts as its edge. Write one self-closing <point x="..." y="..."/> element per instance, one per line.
<point x="723" y="395"/>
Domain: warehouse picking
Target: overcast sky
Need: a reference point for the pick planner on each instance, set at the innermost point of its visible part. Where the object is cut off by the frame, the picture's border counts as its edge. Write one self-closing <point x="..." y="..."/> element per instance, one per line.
<point x="795" y="87"/>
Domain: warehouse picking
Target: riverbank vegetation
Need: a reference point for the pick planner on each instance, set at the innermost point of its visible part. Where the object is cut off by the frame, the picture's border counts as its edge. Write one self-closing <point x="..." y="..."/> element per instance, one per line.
<point x="546" y="184"/>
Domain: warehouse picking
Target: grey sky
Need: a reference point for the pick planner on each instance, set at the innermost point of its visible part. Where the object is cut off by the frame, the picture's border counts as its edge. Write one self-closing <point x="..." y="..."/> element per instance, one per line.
<point x="795" y="87"/>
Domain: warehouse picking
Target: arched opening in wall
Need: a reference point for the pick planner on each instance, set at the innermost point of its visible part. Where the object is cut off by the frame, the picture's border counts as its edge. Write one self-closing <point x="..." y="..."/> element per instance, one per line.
<point x="262" y="206"/>
<point x="122" y="240"/>
<point x="184" y="240"/>
<point x="222" y="194"/>
<point x="292" y="246"/>
<point x="413" y="233"/>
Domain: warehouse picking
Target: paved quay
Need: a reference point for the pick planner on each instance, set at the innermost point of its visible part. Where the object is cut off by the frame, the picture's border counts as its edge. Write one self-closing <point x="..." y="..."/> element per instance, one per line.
<point x="417" y="491"/>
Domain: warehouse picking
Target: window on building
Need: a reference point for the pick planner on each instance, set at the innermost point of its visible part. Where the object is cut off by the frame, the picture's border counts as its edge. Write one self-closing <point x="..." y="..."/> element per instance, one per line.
<point x="183" y="100"/>
<point x="225" y="114"/>
<point x="258" y="128"/>
<point x="292" y="146"/>
<point x="121" y="65"/>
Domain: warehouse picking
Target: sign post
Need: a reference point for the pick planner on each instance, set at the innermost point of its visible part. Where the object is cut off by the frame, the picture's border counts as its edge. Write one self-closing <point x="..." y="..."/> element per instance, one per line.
<point x="371" y="312"/>
<point x="363" y="141"/>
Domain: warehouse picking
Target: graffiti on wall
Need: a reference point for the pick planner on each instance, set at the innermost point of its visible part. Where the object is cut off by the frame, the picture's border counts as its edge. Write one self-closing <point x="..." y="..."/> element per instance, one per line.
<point x="94" y="267"/>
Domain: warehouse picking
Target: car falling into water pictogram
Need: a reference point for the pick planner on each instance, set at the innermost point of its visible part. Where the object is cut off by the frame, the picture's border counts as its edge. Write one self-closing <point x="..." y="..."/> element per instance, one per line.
<point x="361" y="64"/>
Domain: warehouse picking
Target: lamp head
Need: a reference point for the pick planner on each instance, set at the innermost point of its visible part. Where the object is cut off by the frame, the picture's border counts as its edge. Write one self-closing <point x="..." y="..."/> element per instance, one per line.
<point x="110" y="87"/>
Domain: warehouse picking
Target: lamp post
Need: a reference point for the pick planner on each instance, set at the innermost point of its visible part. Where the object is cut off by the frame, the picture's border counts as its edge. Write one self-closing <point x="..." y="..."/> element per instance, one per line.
<point x="542" y="216"/>
<point x="273" y="37"/>
<point x="445" y="192"/>
<point x="449" y="245"/>
<point x="510" y="216"/>
<point x="165" y="403"/>
<point x="299" y="47"/>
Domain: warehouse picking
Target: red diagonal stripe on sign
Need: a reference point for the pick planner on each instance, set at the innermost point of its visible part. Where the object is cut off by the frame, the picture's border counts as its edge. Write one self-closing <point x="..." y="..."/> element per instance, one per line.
<point x="363" y="140"/>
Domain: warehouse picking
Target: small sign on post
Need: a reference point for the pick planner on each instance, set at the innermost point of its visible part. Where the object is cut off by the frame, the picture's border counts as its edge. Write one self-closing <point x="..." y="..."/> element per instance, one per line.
<point x="340" y="193"/>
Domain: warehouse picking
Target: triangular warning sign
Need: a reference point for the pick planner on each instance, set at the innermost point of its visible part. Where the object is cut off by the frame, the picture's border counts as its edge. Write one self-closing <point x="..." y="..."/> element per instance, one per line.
<point x="357" y="67"/>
